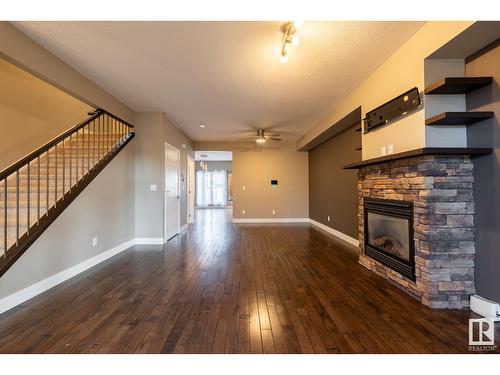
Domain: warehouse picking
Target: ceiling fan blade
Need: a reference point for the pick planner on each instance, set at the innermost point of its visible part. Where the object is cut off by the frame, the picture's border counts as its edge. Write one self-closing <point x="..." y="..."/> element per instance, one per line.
<point x="272" y="134"/>
<point x="273" y="139"/>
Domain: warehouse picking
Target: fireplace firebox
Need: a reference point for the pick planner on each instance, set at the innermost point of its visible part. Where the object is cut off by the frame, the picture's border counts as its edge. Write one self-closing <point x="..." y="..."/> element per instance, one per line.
<point x="389" y="234"/>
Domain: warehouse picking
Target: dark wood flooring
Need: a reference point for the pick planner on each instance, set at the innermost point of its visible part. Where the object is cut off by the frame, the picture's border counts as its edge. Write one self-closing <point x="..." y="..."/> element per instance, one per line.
<point x="226" y="288"/>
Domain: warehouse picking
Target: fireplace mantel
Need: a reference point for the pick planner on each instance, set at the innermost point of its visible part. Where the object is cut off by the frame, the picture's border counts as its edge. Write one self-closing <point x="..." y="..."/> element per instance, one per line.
<point x="421" y="152"/>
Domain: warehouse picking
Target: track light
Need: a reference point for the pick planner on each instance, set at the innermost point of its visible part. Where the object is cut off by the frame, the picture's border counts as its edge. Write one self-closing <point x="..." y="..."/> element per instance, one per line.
<point x="289" y="31"/>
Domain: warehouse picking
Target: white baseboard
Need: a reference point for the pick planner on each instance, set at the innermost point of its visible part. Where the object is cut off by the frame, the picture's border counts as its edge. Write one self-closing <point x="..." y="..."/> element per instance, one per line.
<point x="273" y="220"/>
<point x="149" y="241"/>
<point x="335" y="232"/>
<point x="31" y="291"/>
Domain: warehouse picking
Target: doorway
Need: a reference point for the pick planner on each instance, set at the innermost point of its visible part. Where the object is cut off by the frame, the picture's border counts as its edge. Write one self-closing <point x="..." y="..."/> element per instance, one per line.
<point x="172" y="187"/>
<point x="213" y="177"/>
<point x="191" y="188"/>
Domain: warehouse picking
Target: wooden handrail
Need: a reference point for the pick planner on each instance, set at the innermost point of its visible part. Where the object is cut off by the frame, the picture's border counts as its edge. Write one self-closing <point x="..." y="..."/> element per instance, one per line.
<point x="47" y="146"/>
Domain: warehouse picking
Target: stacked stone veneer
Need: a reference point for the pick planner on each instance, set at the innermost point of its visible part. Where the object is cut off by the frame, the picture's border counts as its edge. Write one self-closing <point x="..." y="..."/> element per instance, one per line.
<point x="441" y="189"/>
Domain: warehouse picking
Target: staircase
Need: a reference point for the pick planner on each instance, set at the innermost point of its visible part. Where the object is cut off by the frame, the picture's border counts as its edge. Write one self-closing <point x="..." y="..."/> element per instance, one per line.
<point x="35" y="190"/>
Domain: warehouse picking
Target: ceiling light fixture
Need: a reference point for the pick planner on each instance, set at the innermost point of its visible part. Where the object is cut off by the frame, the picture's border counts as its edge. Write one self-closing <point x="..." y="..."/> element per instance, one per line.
<point x="260" y="140"/>
<point x="290" y="36"/>
<point x="203" y="125"/>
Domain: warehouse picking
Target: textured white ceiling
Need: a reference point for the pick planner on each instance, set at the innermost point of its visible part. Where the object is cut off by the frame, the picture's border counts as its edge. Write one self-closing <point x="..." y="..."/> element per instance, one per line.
<point x="225" y="74"/>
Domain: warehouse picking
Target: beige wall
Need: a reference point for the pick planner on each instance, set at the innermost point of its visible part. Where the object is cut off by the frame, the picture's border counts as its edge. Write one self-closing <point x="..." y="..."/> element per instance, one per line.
<point x="402" y="71"/>
<point x="24" y="52"/>
<point x="153" y="129"/>
<point x="254" y="167"/>
<point x="32" y="112"/>
<point x="180" y="140"/>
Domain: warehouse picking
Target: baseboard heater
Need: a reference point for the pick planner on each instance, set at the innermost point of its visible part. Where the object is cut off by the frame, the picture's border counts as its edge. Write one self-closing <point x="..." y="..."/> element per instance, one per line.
<point x="484" y="307"/>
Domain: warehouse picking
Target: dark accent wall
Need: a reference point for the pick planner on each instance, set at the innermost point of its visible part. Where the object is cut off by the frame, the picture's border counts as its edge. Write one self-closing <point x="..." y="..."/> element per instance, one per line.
<point x="332" y="190"/>
<point x="486" y="173"/>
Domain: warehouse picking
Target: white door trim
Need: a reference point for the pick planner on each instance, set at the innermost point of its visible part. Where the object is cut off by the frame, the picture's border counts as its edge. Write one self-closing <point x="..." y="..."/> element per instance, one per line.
<point x="176" y="150"/>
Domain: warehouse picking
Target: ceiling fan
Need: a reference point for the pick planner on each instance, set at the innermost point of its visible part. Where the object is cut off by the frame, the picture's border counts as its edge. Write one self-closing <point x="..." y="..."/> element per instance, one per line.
<point x="262" y="136"/>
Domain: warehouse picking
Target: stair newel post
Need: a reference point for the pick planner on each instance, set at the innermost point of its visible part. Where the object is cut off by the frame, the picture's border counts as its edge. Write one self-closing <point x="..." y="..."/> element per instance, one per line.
<point x="17" y="207"/>
<point x="28" y="208"/>
<point x="38" y="190"/>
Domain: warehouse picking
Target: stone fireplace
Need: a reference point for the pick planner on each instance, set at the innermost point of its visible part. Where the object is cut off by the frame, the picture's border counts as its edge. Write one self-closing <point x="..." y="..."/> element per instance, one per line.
<point x="439" y="189"/>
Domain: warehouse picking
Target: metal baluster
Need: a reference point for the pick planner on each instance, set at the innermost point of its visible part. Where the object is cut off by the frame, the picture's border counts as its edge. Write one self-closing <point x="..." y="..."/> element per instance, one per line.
<point x="107" y="136"/>
<point x="99" y="140"/>
<point x="29" y="203"/>
<point x="38" y="191"/>
<point x="55" y="174"/>
<point x="5" y="217"/>
<point x="70" y="162"/>
<point x="63" y="170"/>
<point x="47" y="178"/>
<point x="88" y="148"/>
<point x="76" y="157"/>
<point x="93" y="145"/>
<point x="83" y="152"/>
<point x="17" y="207"/>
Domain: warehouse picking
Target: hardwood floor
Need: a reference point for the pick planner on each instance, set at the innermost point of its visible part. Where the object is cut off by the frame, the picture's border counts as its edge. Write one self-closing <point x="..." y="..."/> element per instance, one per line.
<point x="226" y="288"/>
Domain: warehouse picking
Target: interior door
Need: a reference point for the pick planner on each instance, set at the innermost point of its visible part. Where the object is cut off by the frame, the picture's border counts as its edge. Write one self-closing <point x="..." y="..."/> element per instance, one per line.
<point x="172" y="199"/>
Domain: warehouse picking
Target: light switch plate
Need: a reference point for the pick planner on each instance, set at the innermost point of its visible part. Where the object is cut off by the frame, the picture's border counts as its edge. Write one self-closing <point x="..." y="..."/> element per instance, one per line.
<point x="390" y="149"/>
<point x="383" y="150"/>
<point x="243" y="212"/>
<point x="153" y="187"/>
<point x="94" y="241"/>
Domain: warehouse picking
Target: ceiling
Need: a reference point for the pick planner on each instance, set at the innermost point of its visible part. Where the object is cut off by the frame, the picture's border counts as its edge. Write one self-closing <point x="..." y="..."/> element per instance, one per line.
<point x="225" y="74"/>
<point x="213" y="155"/>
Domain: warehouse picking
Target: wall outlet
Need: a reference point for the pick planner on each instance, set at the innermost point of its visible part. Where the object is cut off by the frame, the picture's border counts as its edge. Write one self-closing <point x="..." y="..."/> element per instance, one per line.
<point x="274" y="212"/>
<point x="383" y="150"/>
<point x="243" y="188"/>
<point x="94" y="242"/>
<point x="390" y="149"/>
<point x="328" y="218"/>
<point x="153" y="187"/>
<point x="243" y="212"/>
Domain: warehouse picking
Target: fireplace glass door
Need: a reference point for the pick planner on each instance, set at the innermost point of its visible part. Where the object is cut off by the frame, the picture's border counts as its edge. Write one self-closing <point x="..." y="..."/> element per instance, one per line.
<point x="390" y="234"/>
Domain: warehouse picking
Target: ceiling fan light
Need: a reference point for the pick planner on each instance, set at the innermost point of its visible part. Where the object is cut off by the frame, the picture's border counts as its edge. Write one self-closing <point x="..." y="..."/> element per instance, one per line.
<point x="298" y="24"/>
<point x="284" y="58"/>
<point x="260" y="140"/>
<point x="295" y="41"/>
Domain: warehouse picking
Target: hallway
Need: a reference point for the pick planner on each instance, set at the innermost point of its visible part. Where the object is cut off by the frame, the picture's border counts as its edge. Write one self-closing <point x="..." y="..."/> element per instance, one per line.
<point x="226" y="288"/>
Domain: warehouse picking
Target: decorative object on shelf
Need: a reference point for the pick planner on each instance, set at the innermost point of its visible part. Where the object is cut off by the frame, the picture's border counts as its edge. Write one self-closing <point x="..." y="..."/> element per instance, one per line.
<point x="457" y="85"/>
<point x="290" y="36"/>
<point x="458" y="118"/>
<point x="393" y="109"/>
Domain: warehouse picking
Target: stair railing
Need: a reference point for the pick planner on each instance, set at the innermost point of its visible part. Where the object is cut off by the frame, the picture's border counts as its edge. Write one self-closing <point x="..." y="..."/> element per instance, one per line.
<point x="35" y="189"/>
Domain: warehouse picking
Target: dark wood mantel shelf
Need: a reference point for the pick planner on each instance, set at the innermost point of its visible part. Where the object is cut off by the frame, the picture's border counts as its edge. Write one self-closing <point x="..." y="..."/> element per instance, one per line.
<point x="420" y="152"/>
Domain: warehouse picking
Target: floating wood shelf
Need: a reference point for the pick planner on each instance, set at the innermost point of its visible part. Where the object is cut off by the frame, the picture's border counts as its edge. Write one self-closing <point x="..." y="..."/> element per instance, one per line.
<point x="457" y="85"/>
<point x="420" y="152"/>
<point x="359" y="148"/>
<point x="458" y="118"/>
